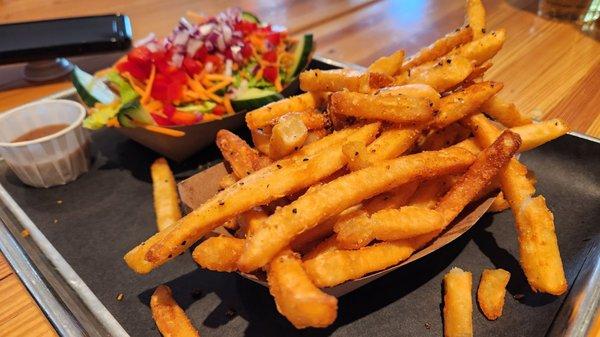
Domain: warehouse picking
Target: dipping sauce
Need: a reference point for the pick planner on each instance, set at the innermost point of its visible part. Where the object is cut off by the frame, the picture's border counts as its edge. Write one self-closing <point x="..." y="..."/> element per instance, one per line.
<point x="40" y="132"/>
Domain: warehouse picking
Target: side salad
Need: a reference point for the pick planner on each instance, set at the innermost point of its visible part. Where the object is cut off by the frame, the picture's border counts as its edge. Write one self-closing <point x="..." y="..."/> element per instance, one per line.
<point x="202" y="71"/>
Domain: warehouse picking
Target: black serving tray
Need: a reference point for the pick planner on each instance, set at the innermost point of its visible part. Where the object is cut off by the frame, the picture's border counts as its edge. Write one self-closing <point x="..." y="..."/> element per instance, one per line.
<point x="95" y="220"/>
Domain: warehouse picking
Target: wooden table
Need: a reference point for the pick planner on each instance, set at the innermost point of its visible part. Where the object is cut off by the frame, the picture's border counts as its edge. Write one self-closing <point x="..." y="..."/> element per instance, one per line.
<point x="549" y="69"/>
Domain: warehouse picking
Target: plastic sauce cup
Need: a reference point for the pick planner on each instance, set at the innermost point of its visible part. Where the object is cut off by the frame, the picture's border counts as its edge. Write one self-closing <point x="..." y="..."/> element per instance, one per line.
<point x="52" y="160"/>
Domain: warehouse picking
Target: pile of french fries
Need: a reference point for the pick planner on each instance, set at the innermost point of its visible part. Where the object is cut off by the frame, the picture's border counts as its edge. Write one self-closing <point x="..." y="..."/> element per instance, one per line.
<point x="366" y="168"/>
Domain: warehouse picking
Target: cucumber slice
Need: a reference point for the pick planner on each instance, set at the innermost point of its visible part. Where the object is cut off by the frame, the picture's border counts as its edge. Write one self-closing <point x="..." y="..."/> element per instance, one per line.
<point x="134" y="113"/>
<point x="254" y="98"/>
<point x="91" y="89"/>
<point x="204" y="107"/>
<point x="302" y="55"/>
<point x="250" y="17"/>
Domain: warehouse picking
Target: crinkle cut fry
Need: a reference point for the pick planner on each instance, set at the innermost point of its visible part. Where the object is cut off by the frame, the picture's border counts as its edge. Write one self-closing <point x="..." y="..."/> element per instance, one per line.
<point x="332" y="198"/>
<point x="538" y="245"/>
<point x="262" y="187"/>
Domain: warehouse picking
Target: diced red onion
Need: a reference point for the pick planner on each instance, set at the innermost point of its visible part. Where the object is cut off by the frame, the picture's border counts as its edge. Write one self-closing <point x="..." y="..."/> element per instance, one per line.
<point x="145" y="40"/>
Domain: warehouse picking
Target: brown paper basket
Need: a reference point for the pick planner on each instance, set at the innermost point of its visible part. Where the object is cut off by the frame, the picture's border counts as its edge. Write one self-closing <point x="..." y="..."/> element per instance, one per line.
<point x="197" y="189"/>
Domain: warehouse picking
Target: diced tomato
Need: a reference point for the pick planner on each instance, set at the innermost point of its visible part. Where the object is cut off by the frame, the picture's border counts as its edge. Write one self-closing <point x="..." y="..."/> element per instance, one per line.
<point x="139" y="72"/>
<point x="270" y="56"/>
<point x="161" y="62"/>
<point x="270" y="74"/>
<point x="141" y="56"/>
<point x="200" y="54"/>
<point x="167" y="88"/>
<point x="219" y="110"/>
<point x="184" y="118"/>
<point x="247" y="50"/>
<point x="274" y="38"/>
<point x="215" y="60"/>
<point x="168" y="110"/>
<point x="191" y="66"/>
<point x="178" y="76"/>
<point x="245" y="27"/>
<point x="160" y="120"/>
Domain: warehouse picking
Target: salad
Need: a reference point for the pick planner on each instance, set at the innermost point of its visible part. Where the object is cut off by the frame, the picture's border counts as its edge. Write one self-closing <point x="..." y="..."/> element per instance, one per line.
<point x="205" y="70"/>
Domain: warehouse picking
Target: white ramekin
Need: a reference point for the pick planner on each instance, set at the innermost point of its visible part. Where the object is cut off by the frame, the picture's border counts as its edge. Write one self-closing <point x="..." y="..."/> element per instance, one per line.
<point x="52" y="160"/>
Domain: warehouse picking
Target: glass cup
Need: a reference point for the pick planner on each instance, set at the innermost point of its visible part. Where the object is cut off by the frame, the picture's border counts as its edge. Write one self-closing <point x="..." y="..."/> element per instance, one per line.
<point x="51" y="160"/>
<point x="582" y="11"/>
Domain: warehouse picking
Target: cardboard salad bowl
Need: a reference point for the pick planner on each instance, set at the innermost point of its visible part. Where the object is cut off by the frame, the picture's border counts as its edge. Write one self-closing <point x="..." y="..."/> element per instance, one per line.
<point x="197" y="189"/>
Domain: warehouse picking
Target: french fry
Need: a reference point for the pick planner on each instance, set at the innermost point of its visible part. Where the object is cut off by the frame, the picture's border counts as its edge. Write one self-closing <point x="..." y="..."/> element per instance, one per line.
<point x="328" y="266"/>
<point x="491" y="292"/>
<point x="476" y="18"/>
<point x="287" y="136"/>
<point x="394" y="198"/>
<point x="343" y="79"/>
<point x="396" y="109"/>
<point x="483" y="49"/>
<point x="538" y="246"/>
<point x="440" y="47"/>
<point x="252" y="219"/>
<point x="263" y="116"/>
<point x="166" y="201"/>
<point x="219" y="253"/>
<point x="536" y="134"/>
<point x="227" y="180"/>
<point x="458" y="303"/>
<point x="261" y="138"/>
<point x="445" y="137"/>
<point x="329" y="199"/>
<point x="477" y="73"/>
<point x="388" y="65"/>
<point x="499" y="204"/>
<point x="505" y="113"/>
<point x="441" y="74"/>
<point x="297" y="298"/>
<point x="170" y="319"/>
<point x="314" y="135"/>
<point x="281" y="178"/>
<point x="387" y="225"/>
<point x="463" y="103"/>
<point x="357" y="155"/>
<point x="414" y="90"/>
<point x="429" y="192"/>
<point x="311" y="118"/>
<point x="392" y="143"/>
<point x="241" y="157"/>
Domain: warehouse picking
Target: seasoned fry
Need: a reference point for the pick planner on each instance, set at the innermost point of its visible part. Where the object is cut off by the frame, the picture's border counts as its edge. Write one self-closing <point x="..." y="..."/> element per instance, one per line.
<point x="476" y="18"/>
<point x="505" y="113"/>
<point x="429" y="192"/>
<point x="227" y="180"/>
<point x="477" y="73"/>
<point x="329" y="267"/>
<point x="287" y="136"/>
<point x="397" y="109"/>
<point x="263" y="116"/>
<point x="314" y="135"/>
<point x="443" y="73"/>
<point x="166" y="201"/>
<point x="357" y="155"/>
<point x="170" y="319"/>
<point x="261" y="138"/>
<point x="252" y="219"/>
<point x="340" y="79"/>
<point x="440" y="47"/>
<point x="458" y="303"/>
<point x="297" y="298"/>
<point x="329" y="199"/>
<point x="481" y="50"/>
<point x="489" y="162"/>
<point x="445" y="137"/>
<point x="499" y="204"/>
<point x="414" y="90"/>
<point x="491" y="292"/>
<point x="311" y="118"/>
<point x="387" y="225"/>
<point x="219" y="253"/>
<point x="392" y="143"/>
<point x="538" y="246"/>
<point x="394" y="198"/>
<point x="279" y="179"/>
<point x="536" y="134"/>
<point x="241" y="157"/>
<point x="463" y="103"/>
<point x="388" y="65"/>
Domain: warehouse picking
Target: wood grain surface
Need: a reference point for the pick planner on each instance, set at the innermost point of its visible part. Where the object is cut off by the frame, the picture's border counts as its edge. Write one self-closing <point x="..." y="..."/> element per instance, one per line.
<point x="549" y="68"/>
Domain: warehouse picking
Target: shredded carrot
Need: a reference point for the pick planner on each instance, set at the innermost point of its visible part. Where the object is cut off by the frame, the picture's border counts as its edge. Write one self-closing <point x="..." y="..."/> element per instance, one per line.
<point x="154" y="105"/>
<point x="113" y="122"/>
<point x="214" y="97"/>
<point x="149" y="84"/>
<point x="218" y="86"/>
<point x="210" y="117"/>
<point x="259" y="73"/>
<point x="133" y="84"/>
<point x="278" y="86"/>
<point x="218" y="77"/>
<point x="197" y="88"/>
<point x="162" y="130"/>
<point x="227" y="104"/>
